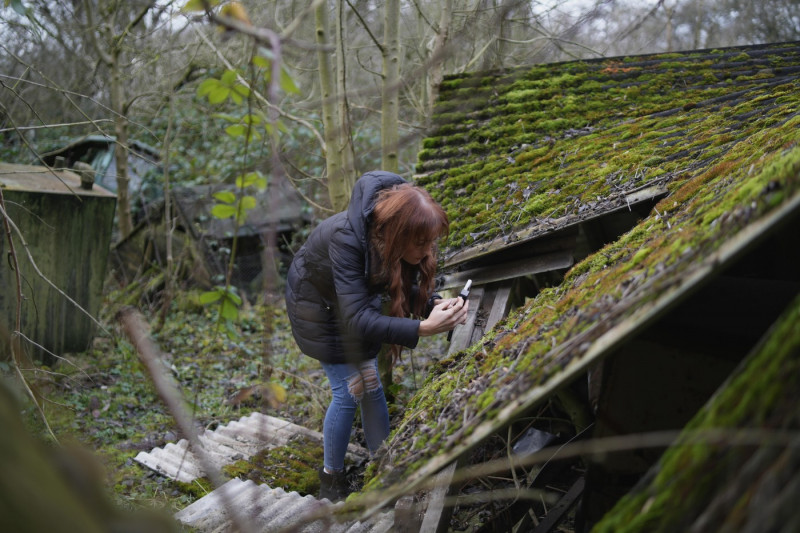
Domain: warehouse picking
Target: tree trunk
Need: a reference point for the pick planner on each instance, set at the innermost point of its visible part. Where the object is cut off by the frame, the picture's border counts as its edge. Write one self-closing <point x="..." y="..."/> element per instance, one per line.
<point x="391" y="87"/>
<point x="438" y="56"/>
<point x="124" y="219"/>
<point x="345" y="136"/>
<point x="338" y="189"/>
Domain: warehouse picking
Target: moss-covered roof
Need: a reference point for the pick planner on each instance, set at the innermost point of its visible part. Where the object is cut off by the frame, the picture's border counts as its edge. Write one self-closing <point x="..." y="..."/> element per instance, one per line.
<point x="515" y="155"/>
<point x="744" y="442"/>
<point x="721" y="128"/>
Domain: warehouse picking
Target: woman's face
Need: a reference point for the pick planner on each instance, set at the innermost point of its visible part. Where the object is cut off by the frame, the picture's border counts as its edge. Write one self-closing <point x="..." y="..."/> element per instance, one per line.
<point x="416" y="251"/>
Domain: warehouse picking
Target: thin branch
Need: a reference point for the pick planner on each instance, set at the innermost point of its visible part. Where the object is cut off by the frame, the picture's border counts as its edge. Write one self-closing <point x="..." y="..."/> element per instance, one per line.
<point x="61" y="125"/>
<point x="375" y="41"/>
<point x="135" y="329"/>
<point x="553" y="39"/>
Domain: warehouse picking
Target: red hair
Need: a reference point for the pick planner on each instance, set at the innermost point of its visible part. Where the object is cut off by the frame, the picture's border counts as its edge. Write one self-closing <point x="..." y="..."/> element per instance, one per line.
<point x="405" y="216"/>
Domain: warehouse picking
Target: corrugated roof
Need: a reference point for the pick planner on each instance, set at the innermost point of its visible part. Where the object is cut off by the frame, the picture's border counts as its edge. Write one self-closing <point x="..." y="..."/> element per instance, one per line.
<point x="266" y="509"/>
<point x="239" y="439"/>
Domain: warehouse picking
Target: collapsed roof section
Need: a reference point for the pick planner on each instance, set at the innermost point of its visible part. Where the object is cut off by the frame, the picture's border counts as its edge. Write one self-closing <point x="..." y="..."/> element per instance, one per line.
<point x="718" y="130"/>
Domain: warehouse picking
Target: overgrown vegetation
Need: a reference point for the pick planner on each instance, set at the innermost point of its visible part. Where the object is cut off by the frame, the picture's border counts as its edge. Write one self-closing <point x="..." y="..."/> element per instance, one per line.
<point x="104" y="400"/>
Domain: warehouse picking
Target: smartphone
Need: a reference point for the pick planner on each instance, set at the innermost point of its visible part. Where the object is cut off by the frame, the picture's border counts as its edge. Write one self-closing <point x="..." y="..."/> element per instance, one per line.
<point x="464" y="294"/>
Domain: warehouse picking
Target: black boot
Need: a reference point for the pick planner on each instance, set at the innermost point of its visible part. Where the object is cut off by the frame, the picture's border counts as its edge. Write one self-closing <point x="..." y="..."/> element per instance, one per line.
<point x="332" y="486"/>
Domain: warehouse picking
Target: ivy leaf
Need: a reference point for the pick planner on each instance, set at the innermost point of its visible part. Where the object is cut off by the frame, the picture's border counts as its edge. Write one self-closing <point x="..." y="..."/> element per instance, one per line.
<point x="223" y="211"/>
<point x="225" y="196"/>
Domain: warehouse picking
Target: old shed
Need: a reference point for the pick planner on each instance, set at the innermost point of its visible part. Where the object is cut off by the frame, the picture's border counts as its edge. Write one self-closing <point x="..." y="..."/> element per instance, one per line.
<point x="630" y="226"/>
<point x="61" y="249"/>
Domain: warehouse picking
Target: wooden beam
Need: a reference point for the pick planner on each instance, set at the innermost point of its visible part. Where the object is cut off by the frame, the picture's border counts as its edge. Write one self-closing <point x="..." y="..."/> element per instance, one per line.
<point x="559" y="260"/>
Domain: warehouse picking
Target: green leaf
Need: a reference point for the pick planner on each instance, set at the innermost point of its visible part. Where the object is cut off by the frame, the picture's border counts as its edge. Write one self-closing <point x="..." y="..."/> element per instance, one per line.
<point x="261" y="61"/>
<point x="248" y="202"/>
<point x="251" y="178"/>
<point x="207" y="86"/>
<point x="218" y="95"/>
<point x="287" y="82"/>
<point x="223" y="211"/>
<point x="228" y="310"/>
<point x="229" y="78"/>
<point x="233" y="296"/>
<point x="17" y="6"/>
<point x="242" y="90"/>
<point x="236" y="130"/>
<point x="210" y="297"/>
<point x="198" y="5"/>
<point x="250" y="118"/>
<point x="228" y="117"/>
<point x="225" y="196"/>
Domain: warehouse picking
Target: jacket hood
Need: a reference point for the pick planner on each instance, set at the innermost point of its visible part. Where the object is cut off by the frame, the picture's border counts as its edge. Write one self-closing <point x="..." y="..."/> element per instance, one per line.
<point x="362" y="201"/>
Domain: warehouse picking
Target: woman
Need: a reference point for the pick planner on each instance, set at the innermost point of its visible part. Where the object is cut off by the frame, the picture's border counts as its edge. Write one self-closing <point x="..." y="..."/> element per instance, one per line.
<point x="384" y="243"/>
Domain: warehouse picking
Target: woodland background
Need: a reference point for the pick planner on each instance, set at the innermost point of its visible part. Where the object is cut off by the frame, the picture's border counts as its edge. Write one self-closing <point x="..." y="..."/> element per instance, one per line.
<point x="252" y="93"/>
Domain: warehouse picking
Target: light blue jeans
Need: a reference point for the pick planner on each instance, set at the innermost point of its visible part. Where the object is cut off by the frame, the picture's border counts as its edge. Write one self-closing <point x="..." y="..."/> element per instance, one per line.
<point x="353" y="385"/>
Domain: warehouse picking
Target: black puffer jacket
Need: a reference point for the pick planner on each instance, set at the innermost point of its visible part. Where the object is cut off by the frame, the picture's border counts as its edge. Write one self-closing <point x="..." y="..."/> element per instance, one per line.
<point x="335" y="313"/>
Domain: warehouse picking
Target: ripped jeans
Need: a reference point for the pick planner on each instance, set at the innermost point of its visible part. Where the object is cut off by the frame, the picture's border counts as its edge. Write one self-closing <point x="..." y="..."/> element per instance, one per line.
<point x="353" y="385"/>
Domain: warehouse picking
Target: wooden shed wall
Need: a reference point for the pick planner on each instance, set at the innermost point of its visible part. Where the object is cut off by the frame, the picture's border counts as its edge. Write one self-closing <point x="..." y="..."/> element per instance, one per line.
<point x="68" y="237"/>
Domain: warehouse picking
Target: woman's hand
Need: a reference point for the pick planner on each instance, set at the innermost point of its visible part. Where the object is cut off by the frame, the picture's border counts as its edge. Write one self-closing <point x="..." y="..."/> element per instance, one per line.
<point x="445" y="315"/>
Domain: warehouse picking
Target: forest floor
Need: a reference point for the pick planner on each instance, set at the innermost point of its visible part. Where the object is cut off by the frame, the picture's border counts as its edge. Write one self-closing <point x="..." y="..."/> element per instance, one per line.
<point x="103" y="400"/>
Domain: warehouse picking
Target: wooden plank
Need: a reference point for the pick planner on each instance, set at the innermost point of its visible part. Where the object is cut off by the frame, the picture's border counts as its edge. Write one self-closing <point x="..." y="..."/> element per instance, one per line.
<point x="514" y="269"/>
<point x="500" y="306"/>
<point x="462" y="334"/>
<point x="559" y="511"/>
<point x="438" y="514"/>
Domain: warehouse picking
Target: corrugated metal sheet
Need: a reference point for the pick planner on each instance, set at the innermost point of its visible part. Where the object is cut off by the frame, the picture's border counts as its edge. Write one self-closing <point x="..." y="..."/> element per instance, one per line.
<point x="267" y="509"/>
<point x="227" y="444"/>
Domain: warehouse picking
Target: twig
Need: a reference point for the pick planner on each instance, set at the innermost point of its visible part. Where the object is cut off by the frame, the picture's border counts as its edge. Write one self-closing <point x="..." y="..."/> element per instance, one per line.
<point x="135" y="329"/>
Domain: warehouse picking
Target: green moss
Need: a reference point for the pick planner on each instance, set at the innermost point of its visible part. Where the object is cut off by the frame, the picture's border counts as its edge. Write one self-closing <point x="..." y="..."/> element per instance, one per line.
<point x="292" y="467"/>
<point x="760" y="395"/>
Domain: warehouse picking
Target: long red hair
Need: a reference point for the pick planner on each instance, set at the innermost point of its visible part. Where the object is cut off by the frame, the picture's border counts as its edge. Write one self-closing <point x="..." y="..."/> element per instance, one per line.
<point x="405" y="216"/>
